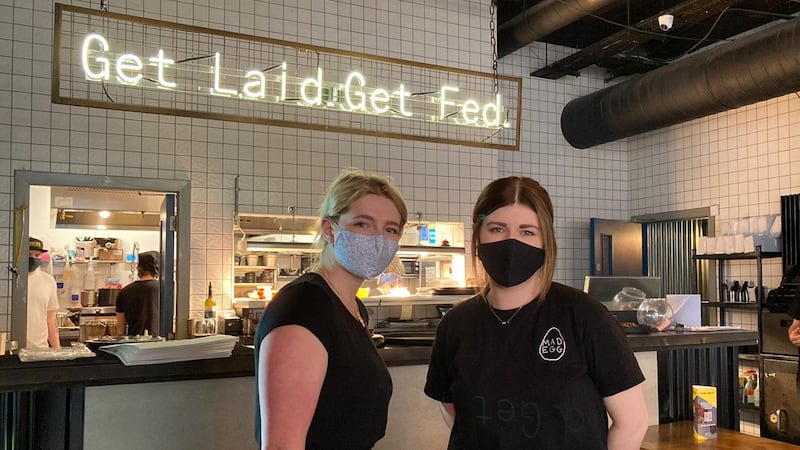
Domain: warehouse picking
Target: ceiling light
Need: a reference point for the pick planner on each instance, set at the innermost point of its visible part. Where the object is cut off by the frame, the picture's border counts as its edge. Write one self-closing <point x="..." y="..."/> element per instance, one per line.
<point x="104" y="214"/>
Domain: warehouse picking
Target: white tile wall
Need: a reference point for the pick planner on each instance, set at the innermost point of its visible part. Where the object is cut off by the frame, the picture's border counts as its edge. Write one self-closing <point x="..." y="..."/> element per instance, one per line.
<point x="723" y="159"/>
<point x="742" y="160"/>
<point x="277" y="167"/>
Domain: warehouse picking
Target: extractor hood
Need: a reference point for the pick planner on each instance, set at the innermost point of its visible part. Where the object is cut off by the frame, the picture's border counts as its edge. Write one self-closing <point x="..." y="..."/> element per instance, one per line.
<point x="277" y="232"/>
<point x="105" y="209"/>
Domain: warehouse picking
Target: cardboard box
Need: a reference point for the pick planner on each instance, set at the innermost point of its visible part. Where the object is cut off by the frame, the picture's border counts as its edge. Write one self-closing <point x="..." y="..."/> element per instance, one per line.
<point x="704" y="399"/>
<point x="110" y="254"/>
<point x="110" y="249"/>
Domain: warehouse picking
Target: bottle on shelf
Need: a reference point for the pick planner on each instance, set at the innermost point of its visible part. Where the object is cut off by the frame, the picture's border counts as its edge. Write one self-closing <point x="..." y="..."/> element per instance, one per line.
<point x="67" y="274"/>
<point x="89" y="281"/>
<point x="75" y="298"/>
<point x="210" y="313"/>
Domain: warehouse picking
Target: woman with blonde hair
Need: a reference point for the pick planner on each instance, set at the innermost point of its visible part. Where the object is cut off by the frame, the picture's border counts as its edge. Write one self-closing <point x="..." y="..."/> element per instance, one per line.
<point x="530" y="363"/>
<point x="321" y="382"/>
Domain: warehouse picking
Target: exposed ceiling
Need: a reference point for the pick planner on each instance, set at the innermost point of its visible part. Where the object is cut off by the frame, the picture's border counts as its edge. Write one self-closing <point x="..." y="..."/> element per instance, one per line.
<point x="623" y="36"/>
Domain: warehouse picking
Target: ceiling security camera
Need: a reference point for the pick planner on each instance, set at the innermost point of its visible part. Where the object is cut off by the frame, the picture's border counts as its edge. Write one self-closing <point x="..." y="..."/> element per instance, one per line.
<point x="665" y="21"/>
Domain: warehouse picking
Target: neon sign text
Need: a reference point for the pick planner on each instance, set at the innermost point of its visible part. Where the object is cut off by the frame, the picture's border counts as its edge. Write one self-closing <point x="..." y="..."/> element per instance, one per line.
<point x="355" y="94"/>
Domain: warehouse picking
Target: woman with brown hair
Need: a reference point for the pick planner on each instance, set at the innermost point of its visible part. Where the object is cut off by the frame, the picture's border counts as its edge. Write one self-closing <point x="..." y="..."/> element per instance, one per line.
<point x="531" y="363"/>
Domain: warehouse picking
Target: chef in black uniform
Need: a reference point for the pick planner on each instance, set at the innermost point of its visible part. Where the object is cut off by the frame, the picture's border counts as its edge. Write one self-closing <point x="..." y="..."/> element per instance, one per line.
<point x="137" y="303"/>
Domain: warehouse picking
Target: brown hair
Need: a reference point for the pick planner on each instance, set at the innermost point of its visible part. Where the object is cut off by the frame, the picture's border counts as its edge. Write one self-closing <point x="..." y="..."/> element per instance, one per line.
<point x="525" y="191"/>
<point x="349" y="187"/>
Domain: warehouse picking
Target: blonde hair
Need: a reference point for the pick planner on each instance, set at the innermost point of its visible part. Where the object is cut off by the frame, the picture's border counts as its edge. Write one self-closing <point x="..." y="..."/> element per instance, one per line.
<point x="525" y="191"/>
<point x="350" y="186"/>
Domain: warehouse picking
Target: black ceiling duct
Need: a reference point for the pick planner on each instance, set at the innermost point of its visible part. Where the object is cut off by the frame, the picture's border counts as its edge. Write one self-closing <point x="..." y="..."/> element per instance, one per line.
<point x="542" y="19"/>
<point x="758" y="67"/>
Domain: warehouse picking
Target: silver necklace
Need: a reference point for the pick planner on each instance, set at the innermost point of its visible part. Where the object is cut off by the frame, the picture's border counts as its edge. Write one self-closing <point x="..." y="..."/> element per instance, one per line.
<point x="502" y="322"/>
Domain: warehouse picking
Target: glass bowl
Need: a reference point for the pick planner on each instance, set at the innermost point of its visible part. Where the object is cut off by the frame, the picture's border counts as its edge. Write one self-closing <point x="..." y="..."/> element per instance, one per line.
<point x="629" y="299"/>
<point x="655" y="313"/>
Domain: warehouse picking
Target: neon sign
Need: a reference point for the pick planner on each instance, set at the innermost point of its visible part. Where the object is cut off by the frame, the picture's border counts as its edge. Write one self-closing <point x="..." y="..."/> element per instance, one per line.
<point x="352" y="94"/>
<point x="104" y="59"/>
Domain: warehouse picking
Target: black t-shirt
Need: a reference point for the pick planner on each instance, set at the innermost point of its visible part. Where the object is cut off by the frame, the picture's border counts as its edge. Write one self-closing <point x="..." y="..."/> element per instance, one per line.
<point x="139" y="302"/>
<point x="354" y="400"/>
<point x="537" y="382"/>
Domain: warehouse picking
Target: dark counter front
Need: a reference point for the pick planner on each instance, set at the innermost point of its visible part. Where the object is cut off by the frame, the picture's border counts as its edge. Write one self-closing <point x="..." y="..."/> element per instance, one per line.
<point x="105" y="369"/>
<point x="709" y="358"/>
<point x="45" y="404"/>
<point x="59" y="387"/>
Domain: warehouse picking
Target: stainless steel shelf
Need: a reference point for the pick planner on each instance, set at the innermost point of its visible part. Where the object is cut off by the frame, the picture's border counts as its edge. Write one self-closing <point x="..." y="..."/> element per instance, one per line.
<point x="95" y="261"/>
<point x="739" y="305"/>
<point x="751" y="255"/>
<point x="297" y="247"/>
<point x="415" y="300"/>
<point x="417" y="249"/>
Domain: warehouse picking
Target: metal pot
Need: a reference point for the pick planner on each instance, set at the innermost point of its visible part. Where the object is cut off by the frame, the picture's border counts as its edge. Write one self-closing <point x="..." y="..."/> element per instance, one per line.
<point x="88" y="298"/>
<point x="92" y="330"/>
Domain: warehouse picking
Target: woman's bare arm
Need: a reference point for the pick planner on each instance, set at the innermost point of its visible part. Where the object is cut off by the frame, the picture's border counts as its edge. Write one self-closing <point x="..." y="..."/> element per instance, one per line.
<point x="628" y="412"/>
<point x="292" y="367"/>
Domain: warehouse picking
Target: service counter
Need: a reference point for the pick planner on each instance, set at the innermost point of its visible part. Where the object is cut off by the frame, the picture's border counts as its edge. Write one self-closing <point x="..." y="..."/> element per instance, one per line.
<point x="89" y="403"/>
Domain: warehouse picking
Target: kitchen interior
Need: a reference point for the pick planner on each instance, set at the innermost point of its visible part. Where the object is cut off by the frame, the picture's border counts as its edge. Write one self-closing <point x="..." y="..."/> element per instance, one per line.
<point x="405" y="303"/>
<point x="94" y="236"/>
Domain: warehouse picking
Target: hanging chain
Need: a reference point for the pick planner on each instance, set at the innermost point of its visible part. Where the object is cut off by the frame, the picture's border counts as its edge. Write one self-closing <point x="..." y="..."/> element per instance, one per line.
<point x="493" y="42"/>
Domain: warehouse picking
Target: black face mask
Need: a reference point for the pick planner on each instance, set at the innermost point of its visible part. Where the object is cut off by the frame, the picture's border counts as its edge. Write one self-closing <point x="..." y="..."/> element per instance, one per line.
<point x="510" y="262"/>
<point x="33" y="263"/>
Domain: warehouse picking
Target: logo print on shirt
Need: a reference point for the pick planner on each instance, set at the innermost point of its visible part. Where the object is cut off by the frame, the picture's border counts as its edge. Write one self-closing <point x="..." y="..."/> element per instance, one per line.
<point x="553" y="346"/>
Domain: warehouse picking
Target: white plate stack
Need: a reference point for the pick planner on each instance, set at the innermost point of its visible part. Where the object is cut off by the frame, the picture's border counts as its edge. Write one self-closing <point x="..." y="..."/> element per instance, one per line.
<point x="209" y="347"/>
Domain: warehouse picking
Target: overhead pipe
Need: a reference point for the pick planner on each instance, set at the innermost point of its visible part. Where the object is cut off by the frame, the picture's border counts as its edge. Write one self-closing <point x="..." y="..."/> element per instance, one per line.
<point x="758" y="67"/>
<point x="542" y="19"/>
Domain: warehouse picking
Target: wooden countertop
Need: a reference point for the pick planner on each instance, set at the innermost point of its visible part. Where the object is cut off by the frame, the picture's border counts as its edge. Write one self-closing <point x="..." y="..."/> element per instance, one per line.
<point x="678" y="435"/>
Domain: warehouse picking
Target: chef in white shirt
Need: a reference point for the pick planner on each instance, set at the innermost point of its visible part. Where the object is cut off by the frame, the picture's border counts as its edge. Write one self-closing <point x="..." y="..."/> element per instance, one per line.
<point x="42" y="300"/>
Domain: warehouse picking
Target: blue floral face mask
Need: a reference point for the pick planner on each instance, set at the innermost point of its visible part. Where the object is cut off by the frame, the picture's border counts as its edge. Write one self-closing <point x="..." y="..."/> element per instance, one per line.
<point x="362" y="255"/>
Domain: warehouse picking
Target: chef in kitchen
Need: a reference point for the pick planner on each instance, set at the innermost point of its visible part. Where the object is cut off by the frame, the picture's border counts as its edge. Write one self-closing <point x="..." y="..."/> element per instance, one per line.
<point x="137" y="303"/>
<point x="42" y="300"/>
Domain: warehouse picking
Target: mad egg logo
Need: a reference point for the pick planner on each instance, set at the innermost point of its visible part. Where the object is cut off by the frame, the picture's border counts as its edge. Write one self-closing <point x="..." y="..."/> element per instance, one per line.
<point x="553" y="346"/>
